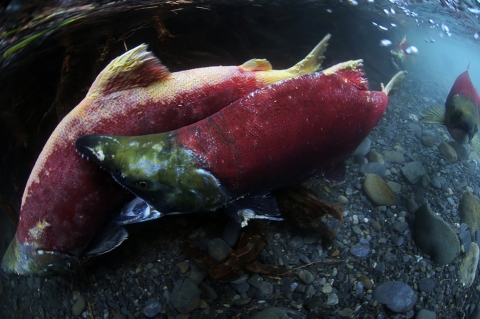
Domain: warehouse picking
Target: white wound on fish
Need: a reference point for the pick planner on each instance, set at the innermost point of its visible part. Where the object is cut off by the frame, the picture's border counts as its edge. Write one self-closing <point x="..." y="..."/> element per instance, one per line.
<point x="98" y="153"/>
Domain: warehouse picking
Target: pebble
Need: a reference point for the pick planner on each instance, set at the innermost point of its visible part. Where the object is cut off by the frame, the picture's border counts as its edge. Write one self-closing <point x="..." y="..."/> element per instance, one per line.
<point x="469" y="210"/>
<point x="306" y="276"/>
<point x="152" y="309"/>
<point x="375" y="156"/>
<point x="327" y="288"/>
<point x="271" y="313"/>
<point x="373" y="168"/>
<point x="345" y="313"/>
<point x="434" y="236"/>
<point x="231" y="233"/>
<point x="79" y="306"/>
<point x="266" y="287"/>
<point x="396" y="187"/>
<point x="183" y="266"/>
<point x="426" y="285"/>
<point x="438" y="181"/>
<point x="378" y="191"/>
<point x="396" y="295"/>
<point x="413" y="171"/>
<point x="425" y="314"/>
<point x="295" y="242"/>
<point x="360" y="251"/>
<point x="428" y="141"/>
<point x="332" y="299"/>
<point x="462" y="153"/>
<point x="186" y="296"/>
<point x="447" y="152"/>
<point x="362" y="149"/>
<point x="393" y="156"/>
<point x="468" y="268"/>
<point x="218" y="249"/>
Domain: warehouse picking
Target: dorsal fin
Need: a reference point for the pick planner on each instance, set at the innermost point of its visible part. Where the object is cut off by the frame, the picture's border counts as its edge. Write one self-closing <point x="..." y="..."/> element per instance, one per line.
<point x="352" y="71"/>
<point x="313" y="61"/>
<point x="256" y="65"/>
<point x="135" y="68"/>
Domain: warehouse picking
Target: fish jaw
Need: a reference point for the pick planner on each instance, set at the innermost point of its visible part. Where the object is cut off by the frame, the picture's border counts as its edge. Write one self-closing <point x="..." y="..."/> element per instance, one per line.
<point x="153" y="168"/>
<point x="26" y="260"/>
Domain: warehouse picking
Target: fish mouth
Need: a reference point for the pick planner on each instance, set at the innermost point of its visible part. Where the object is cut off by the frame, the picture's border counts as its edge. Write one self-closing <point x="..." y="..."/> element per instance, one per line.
<point x="461" y="134"/>
<point x="25" y="260"/>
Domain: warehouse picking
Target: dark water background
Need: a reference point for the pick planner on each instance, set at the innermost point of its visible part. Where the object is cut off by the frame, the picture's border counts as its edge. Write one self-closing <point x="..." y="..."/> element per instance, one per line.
<point x="204" y="34"/>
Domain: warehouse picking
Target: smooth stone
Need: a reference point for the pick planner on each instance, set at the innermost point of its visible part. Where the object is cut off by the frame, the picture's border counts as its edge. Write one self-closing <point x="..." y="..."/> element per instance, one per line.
<point x="413" y="171"/>
<point x="425" y="181"/>
<point x="465" y="239"/>
<point x="427" y="285"/>
<point x="332" y="299"/>
<point x="363" y="148"/>
<point x="346" y="313"/>
<point x="373" y="168"/>
<point x="186" y="296"/>
<point x="378" y="191"/>
<point x="79" y="306"/>
<point x="396" y="295"/>
<point x="231" y="233"/>
<point x="396" y="187"/>
<point x="152" y="309"/>
<point x="266" y="288"/>
<point x="434" y="236"/>
<point x="425" y="314"/>
<point x="360" y="251"/>
<point x="306" y="276"/>
<point x="271" y="313"/>
<point x="469" y="211"/>
<point x="295" y="242"/>
<point x="468" y="268"/>
<point x="428" y="141"/>
<point x="327" y="288"/>
<point x="218" y="249"/>
<point x="461" y="151"/>
<point x="375" y="156"/>
<point x="438" y="181"/>
<point x="393" y="156"/>
<point x="447" y="152"/>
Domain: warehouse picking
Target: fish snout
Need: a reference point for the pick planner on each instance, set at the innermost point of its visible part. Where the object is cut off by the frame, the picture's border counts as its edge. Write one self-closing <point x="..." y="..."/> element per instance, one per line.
<point x="26" y="261"/>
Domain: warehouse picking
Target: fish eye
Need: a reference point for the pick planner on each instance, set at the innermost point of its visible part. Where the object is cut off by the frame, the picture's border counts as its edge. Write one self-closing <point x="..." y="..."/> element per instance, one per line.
<point x="142" y="184"/>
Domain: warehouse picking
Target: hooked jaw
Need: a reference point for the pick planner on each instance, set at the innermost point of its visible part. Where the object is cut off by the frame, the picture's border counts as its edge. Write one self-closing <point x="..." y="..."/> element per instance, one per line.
<point x="25" y="260"/>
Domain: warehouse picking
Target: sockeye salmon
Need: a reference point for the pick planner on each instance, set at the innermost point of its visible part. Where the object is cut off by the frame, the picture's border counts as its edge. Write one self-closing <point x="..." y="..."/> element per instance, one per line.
<point x="280" y="135"/>
<point x="66" y="200"/>
<point x="460" y="114"/>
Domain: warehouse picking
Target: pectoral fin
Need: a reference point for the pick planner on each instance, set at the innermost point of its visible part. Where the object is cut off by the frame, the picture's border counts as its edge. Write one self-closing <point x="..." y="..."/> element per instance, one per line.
<point x="109" y="238"/>
<point x="394" y="83"/>
<point x="475" y="142"/>
<point x="435" y="114"/>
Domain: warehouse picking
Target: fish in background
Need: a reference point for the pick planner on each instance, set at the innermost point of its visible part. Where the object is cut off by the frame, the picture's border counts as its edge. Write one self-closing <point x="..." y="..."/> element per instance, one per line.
<point x="278" y="136"/>
<point x="402" y="52"/>
<point x="460" y="114"/>
<point x="67" y="201"/>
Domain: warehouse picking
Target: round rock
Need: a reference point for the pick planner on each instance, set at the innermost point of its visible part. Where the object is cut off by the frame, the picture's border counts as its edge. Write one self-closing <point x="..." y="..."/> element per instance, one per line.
<point x="413" y="171"/>
<point x="378" y="191"/>
<point x="396" y="295"/>
<point x="152" y="309"/>
<point x="447" y="152"/>
<point x="469" y="210"/>
<point x="469" y="265"/>
<point x="434" y="236"/>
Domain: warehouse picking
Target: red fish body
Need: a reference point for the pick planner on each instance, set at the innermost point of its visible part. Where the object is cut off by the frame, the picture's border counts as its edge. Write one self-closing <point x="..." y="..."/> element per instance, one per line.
<point x="67" y="200"/>
<point x="460" y="114"/>
<point x="280" y="135"/>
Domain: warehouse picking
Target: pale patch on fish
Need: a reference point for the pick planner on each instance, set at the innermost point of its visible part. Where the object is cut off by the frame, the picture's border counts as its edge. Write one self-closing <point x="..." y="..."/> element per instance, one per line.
<point x="36" y="232"/>
<point x="98" y="153"/>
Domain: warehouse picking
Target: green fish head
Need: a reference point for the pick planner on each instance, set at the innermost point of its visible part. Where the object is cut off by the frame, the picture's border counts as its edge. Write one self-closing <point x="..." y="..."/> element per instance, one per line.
<point x="461" y="118"/>
<point x="153" y="168"/>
